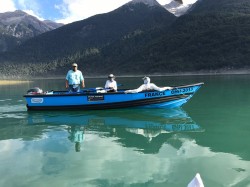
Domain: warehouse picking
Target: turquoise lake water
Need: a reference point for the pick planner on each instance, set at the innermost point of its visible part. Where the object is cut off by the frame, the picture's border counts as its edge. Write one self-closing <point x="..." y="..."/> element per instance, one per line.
<point x="129" y="147"/>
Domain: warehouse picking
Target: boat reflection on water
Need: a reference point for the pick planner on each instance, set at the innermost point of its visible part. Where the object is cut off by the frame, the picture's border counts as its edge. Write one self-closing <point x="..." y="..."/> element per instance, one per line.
<point x="124" y="124"/>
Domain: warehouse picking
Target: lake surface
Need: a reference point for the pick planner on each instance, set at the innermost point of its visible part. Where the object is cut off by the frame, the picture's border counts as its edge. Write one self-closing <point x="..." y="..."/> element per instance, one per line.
<point x="129" y="147"/>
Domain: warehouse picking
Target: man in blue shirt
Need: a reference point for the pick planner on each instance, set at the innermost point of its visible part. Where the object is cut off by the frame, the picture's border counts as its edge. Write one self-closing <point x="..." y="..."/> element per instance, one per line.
<point x="74" y="78"/>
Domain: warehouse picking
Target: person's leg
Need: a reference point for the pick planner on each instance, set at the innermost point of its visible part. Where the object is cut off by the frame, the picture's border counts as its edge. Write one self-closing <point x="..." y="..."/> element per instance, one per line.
<point x="77" y="89"/>
<point x="70" y="89"/>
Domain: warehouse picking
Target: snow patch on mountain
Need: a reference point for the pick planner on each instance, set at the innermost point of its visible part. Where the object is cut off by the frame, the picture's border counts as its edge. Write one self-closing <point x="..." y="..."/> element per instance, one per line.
<point x="188" y="2"/>
<point x="179" y="8"/>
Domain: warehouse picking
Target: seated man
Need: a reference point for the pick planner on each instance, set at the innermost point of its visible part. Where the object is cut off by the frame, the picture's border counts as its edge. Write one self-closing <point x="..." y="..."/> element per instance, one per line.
<point x="147" y="86"/>
<point x="111" y="85"/>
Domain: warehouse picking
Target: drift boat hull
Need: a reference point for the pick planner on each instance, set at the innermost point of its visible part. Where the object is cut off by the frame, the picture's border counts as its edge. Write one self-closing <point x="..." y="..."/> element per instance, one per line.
<point x="62" y="100"/>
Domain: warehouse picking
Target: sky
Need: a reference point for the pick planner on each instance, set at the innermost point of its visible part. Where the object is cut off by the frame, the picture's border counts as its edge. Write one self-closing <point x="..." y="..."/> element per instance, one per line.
<point x="66" y="11"/>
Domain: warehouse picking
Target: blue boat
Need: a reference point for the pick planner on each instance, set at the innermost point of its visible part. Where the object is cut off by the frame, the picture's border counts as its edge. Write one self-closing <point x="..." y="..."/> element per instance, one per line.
<point x="89" y="99"/>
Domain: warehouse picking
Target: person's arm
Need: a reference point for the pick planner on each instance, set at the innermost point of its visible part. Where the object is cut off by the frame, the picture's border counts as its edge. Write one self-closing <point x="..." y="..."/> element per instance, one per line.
<point x="83" y="85"/>
<point x="141" y="88"/>
<point x="67" y="80"/>
<point x="82" y="79"/>
<point x="67" y="83"/>
<point x="115" y="86"/>
<point x="106" y="85"/>
<point x="167" y="88"/>
<point x="154" y="87"/>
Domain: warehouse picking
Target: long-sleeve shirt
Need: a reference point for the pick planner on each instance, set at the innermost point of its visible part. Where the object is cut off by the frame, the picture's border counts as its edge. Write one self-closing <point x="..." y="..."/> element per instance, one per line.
<point x="111" y="84"/>
<point x="150" y="86"/>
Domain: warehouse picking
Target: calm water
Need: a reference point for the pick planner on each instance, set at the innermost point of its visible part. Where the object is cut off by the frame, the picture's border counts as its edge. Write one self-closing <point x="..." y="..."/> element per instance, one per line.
<point x="129" y="147"/>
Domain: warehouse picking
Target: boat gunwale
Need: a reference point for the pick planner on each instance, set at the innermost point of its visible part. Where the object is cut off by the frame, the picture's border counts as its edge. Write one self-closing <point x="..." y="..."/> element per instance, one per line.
<point x="87" y="93"/>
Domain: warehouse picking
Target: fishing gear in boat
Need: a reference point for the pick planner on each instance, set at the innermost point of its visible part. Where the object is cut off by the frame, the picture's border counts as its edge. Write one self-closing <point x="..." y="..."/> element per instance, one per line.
<point x="35" y="90"/>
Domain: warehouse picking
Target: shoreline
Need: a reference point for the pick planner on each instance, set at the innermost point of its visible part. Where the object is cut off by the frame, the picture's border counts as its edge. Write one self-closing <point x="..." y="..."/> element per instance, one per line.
<point x="13" y="82"/>
<point x="198" y="73"/>
<point x="22" y="80"/>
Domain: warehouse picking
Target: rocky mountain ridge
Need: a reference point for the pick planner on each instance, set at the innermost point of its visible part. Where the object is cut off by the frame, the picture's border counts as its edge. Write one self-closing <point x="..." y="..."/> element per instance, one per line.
<point x="20" y="26"/>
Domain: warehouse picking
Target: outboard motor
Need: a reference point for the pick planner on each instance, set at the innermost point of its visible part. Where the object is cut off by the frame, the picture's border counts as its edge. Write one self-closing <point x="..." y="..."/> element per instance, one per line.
<point x="35" y="90"/>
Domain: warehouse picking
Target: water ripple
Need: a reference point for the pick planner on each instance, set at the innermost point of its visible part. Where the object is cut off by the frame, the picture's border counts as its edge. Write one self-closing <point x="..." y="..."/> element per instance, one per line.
<point x="13" y="108"/>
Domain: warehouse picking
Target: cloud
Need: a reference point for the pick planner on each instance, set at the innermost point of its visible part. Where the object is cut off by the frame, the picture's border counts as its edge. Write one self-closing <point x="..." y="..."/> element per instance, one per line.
<point x="73" y="10"/>
<point x="31" y="7"/>
<point x="7" y="5"/>
<point x="32" y="13"/>
<point x="55" y="157"/>
<point x="29" y="4"/>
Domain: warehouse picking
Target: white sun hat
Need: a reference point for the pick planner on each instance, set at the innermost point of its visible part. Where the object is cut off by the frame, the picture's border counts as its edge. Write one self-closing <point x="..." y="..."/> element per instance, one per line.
<point x="111" y="76"/>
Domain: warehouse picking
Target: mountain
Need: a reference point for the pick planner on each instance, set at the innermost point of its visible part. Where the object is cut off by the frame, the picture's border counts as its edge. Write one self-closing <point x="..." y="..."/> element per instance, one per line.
<point x="213" y="36"/>
<point x="222" y="6"/>
<point x="18" y="26"/>
<point x="88" y="37"/>
<point x="53" y="25"/>
<point x="141" y="38"/>
<point x="146" y="2"/>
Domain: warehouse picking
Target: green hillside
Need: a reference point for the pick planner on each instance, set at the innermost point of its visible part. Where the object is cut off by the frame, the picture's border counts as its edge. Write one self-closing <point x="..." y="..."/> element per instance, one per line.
<point x="202" y="40"/>
<point x="213" y="35"/>
<point x="199" y="41"/>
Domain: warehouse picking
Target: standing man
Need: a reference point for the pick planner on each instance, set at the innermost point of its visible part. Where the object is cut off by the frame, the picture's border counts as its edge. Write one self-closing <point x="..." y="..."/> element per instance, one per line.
<point x="74" y="78"/>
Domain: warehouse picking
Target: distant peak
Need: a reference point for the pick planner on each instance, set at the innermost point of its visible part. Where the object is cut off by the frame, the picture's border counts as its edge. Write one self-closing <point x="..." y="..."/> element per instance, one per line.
<point x="20" y="12"/>
<point x="179" y="1"/>
<point x="147" y="2"/>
